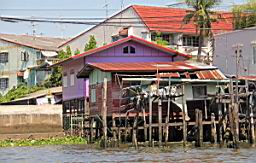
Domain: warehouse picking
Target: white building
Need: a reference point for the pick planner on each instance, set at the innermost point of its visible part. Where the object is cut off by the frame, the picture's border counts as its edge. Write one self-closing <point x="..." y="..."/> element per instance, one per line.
<point x="236" y="47"/>
<point x="145" y="22"/>
<point x="23" y="57"/>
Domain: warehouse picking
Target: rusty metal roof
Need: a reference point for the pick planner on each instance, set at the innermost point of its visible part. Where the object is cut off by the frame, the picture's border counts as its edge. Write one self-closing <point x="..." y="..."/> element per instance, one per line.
<point x="150" y="66"/>
<point x="251" y="78"/>
<point x="186" y="70"/>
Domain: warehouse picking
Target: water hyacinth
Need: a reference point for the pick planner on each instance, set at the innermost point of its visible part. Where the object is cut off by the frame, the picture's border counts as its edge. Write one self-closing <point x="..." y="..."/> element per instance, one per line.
<point x="50" y="141"/>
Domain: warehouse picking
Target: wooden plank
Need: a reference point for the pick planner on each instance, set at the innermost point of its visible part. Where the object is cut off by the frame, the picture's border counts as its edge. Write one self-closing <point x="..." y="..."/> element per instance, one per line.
<point x="160" y="122"/>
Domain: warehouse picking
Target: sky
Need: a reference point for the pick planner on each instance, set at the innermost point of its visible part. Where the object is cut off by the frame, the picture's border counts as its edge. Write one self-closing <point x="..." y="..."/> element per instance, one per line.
<point x="67" y="8"/>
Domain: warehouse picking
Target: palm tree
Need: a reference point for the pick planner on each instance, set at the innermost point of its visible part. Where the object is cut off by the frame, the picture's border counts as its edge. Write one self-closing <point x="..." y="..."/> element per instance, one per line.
<point x="202" y="16"/>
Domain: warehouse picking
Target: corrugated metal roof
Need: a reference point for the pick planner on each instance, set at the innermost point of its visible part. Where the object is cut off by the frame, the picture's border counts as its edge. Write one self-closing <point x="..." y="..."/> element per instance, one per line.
<point x="252" y="78"/>
<point x="150" y="66"/>
<point x="203" y="74"/>
<point x="36" y="42"/>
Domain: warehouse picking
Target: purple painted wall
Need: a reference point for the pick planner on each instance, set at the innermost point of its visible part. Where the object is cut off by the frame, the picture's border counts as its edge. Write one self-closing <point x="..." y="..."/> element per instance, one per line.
<point x="143" y="54"/>
<point x="114" y="54"/>
<point x="79" y="89"/>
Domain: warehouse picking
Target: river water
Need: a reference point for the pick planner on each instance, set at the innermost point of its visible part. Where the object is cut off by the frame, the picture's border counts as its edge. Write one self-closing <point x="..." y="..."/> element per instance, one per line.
<point x="83" y="153"/>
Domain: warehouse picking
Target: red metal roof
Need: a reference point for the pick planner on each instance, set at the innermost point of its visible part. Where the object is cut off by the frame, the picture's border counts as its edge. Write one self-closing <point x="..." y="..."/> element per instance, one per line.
<point x="149" y="66"/>
<point x="252" y="78"/>
<point x="210" y="74"/>
<point x="202" y="74"/>
<point x="165" y="19"/>
<point x="130" y="38"/>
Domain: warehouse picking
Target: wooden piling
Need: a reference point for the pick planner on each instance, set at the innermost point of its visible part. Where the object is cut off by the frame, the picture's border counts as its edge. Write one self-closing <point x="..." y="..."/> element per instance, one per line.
<point x="252" y="133"/>
<point x="134" y="132"/>
<point x="213" y="130"/>
<point x="184" y="116"/>
<point x="199" y="125"/>
<point x="145" y="125"/>
<point x="104" y="111"/>
<point x="91" y="130"/>
<point x="200" y="128"/>
<point x="167" y="118"/>
<point x="220" y="124"/>
<point x="114" y="130"/>
<point x="150" y="120"/>
<point x="160" y="121"/>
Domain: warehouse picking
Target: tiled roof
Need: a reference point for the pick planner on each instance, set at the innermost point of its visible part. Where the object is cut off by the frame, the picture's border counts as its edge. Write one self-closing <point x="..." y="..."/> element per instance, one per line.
<point x="36" y="42"/>
<point x="150" y="66"/>
<point x="130" y="38"/>
<point x="165" y="19"/>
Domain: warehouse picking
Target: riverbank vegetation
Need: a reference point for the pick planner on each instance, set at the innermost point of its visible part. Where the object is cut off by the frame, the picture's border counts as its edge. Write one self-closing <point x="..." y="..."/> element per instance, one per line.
<point x="51" y="141"/>
<point x="21" y="91"/>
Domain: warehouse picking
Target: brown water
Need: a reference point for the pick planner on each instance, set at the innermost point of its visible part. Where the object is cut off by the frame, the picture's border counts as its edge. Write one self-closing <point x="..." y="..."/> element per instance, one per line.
<point x="81" y="153"/>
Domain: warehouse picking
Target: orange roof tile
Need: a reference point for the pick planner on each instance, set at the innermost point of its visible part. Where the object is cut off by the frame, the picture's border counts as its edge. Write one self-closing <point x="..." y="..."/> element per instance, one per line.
<point x="164" y="19"/>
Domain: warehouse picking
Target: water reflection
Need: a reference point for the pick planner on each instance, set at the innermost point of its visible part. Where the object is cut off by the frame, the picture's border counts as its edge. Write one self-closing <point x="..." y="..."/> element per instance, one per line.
<point x="82" y="153"/>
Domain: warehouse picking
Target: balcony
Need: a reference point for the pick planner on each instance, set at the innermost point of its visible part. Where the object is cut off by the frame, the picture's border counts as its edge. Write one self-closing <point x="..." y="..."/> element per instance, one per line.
<point x="48" y="61"/>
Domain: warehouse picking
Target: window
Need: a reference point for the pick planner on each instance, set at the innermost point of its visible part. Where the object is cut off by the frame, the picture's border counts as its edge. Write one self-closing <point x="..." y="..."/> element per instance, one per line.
<point x="65" y="80"/>
<point x="4" y="83"/>
<point x="39" y="55"/>
<point x="132" y="50"/>
<point x="166" y="37"/>
<point x="254" y="55"/>
<point x="24" y="56"/>
<point x="3" y="57"/>
<point x="93" y="95"/>
<point x="199" y="91"/>
<point x="129" y="49"/>
<point x="191" y="41"/>
<point x="126" y="50"/>
<point x="144" y="35"/>
<point x="72" y="78"/>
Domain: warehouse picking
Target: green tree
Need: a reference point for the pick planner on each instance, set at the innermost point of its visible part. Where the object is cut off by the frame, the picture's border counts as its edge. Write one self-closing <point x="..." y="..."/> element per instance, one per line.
<point x="55" y="78"/>
<point x="159" y="40"/>
<point x="91" y="44"/>
<point x="77" y="52"/>
<point x="202" y="16"/>
<point x="244" y="15"/>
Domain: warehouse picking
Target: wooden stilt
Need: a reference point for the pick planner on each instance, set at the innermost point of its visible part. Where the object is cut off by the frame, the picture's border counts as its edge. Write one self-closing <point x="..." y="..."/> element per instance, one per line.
<point x="213" y="130"/>
<point x="145" y="125"/>
<point x="91" y="130"/>
<point x="200" y="128"/>
<point x="236" y="121"/>
<point x="205" y="109"/>
<point x="104" y="111"/>
<point x="160" y="121"/>
<point x="126" y="129"/>
<point x="252" y="133"/>
<point x="150" y="120"/>
<point x="199" y="124"/>
<point x="184" y="116"/>
<point x="167" y="119"/>
<point x="220" y="124"/>
<point x="114" y="131"/>
<point x="119" y="136"/>
<point x="134" y="132"/>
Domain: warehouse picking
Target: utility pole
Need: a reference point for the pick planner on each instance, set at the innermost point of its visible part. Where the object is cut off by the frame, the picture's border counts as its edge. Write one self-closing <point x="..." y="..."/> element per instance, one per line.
<point x="235" y="105"/>
<point x="238" y="55"/>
